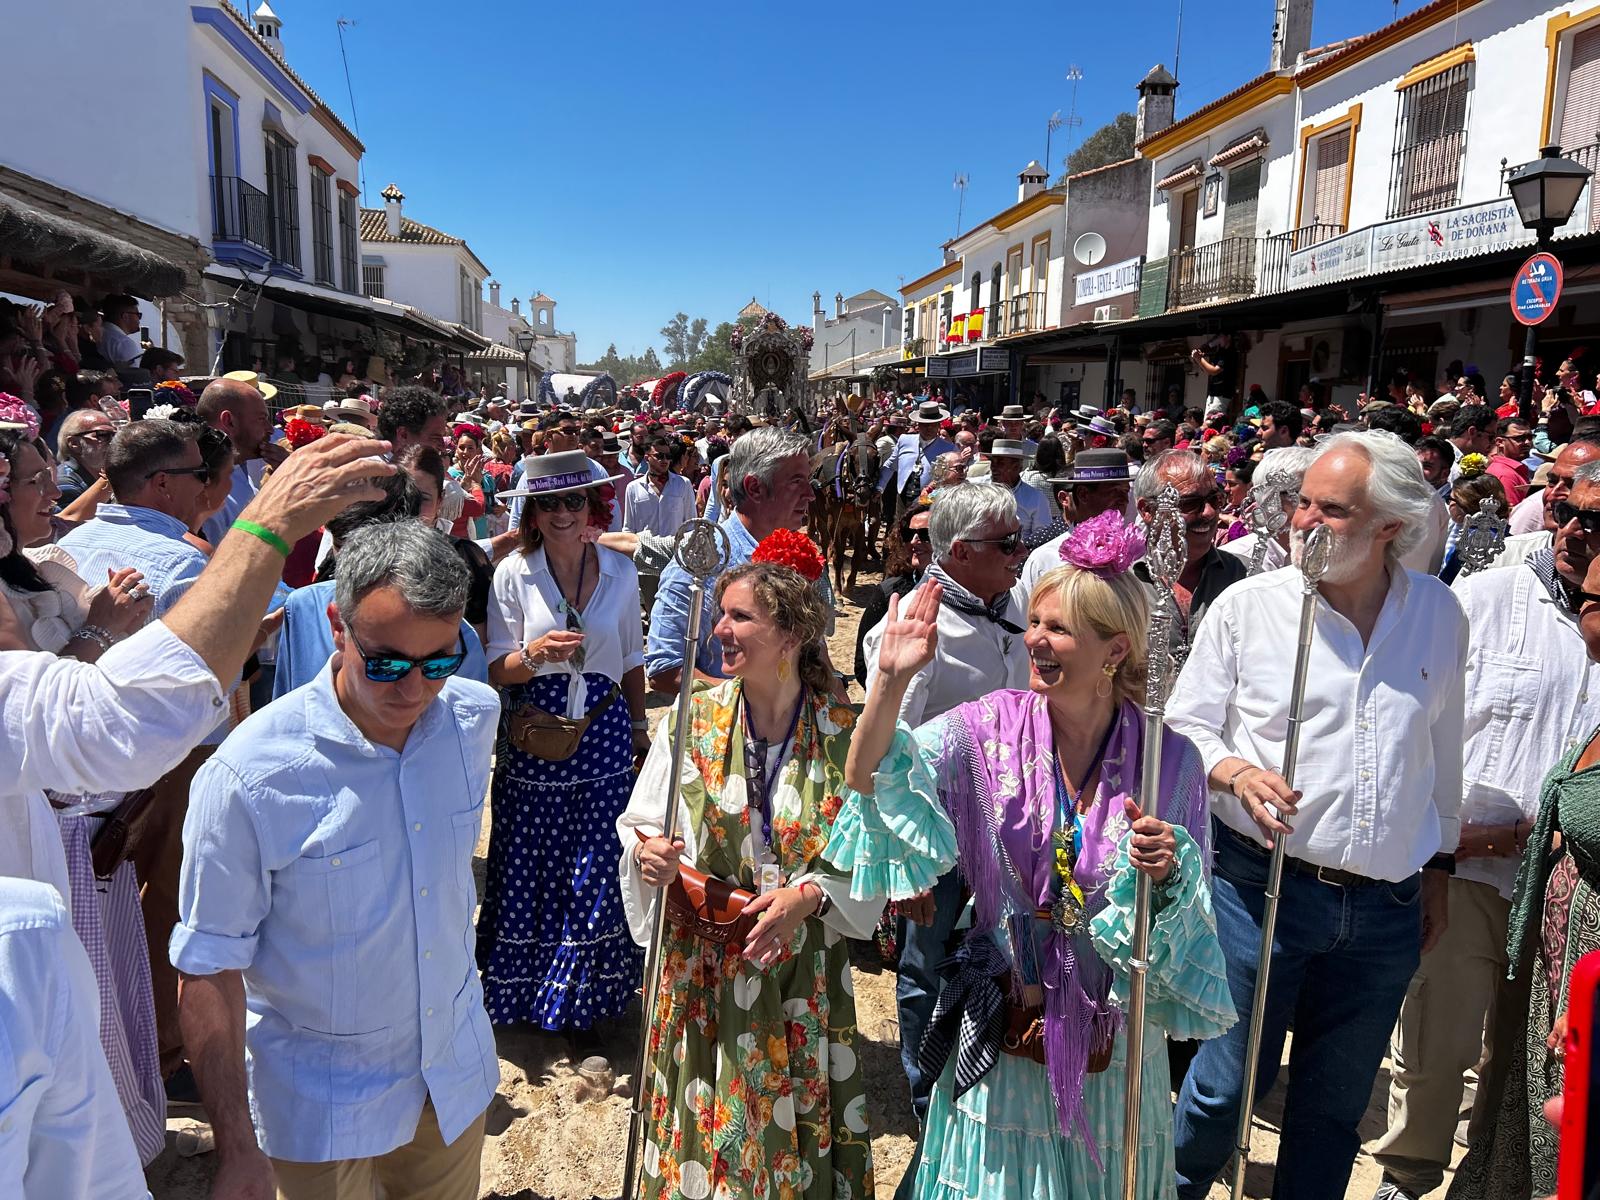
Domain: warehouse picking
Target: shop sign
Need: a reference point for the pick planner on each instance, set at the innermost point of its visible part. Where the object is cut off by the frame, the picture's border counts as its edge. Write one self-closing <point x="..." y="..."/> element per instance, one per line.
<point x="992" y="358"/>
<point x="1102" y="283"/>
<point x="938" y="367"/>
<point x="964" y="364"/>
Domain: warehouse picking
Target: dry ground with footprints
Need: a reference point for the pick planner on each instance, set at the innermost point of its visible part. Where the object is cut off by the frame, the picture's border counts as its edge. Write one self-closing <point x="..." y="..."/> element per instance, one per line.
<point x="548" y="1136"/>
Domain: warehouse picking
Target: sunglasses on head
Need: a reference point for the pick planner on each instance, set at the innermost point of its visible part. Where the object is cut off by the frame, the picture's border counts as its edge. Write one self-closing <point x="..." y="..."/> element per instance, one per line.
<point x="392" y="668"/>
<point x="571" y="501"/>
<point x="1006" y="545"/>
<point x="1588" y="519"/>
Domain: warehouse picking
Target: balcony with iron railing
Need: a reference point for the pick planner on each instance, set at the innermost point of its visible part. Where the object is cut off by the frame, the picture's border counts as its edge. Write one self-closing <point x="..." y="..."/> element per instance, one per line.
<point x="1230" y="268"/>
<point x="1022" y="313"/>
<point x="241" y="221"/>
<point x="1588" y="156"/>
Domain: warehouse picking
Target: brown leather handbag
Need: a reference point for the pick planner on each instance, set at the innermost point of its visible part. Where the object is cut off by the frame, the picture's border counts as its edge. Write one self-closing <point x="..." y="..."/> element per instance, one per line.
<point x="1024" y="1033"/>
<point x="708" y="907"/>
<point x="549" y="736"/>
<point x="114" y="841"/>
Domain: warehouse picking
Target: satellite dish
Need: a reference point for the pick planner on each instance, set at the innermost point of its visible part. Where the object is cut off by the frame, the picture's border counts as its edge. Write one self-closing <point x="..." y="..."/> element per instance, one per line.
<point x="1089" y="249"/>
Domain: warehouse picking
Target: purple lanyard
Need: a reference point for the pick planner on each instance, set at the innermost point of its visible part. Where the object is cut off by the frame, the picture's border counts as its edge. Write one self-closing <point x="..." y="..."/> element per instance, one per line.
<point x="758" y="777"/>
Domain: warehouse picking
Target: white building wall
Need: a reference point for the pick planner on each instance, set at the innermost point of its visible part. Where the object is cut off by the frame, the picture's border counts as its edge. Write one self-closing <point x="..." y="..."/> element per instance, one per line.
<point x="425" y="277"/>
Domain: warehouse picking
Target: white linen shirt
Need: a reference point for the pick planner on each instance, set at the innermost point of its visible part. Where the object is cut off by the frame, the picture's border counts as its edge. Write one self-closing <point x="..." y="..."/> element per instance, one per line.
<point x="660" y="513"/>
<point x="526" y="604"/>
<point x="1033" y="509"/>
<point x="1044" y="558"/>
<point x="120" y="723"/>
<point x="1532" y="694"/>
<point x="63" y="1135"/>
<point x="1245" y="547"/>
<point x="1380" y="747"/>
<point x="975" y="656"/>
<point x="336" y="875"/>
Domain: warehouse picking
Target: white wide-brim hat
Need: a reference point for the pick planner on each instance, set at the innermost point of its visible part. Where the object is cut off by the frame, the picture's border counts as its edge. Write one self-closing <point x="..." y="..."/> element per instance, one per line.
<point x="553" y="474"/>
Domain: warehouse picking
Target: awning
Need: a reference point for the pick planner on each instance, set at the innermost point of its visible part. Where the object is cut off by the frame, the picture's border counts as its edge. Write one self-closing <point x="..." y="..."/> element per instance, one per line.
<point x="38" y="238"/>
<point x="1189" y="170"/>
<point x="1240" y="148"/>
<point x="495" y="352"/>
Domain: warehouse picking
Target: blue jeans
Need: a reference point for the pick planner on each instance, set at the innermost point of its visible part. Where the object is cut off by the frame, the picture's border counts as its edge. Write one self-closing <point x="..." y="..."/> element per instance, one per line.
<point x="916" y="990"/>
<point x="1341" y="961"/>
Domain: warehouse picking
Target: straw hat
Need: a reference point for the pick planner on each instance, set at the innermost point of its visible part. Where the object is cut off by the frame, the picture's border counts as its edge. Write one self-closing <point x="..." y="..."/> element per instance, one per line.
<point x="553" y="474"/>
<point x="267" y="390"/>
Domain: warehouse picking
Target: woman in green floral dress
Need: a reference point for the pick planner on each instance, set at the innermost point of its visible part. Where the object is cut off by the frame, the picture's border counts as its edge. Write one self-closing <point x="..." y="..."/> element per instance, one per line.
<point x="754" y="1079"/>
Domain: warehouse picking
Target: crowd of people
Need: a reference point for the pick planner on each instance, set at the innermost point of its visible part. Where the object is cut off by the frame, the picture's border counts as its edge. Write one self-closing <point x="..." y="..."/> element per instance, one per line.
<point x="263" y="662"/>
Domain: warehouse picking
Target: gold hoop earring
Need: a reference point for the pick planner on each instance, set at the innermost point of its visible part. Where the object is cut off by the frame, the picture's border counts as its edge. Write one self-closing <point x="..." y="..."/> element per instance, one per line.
<point x="1103" y="690"/>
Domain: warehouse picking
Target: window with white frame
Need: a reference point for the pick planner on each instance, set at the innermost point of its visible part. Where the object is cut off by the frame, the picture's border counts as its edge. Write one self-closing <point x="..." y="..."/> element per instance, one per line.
<point x="1430" y="138"/>
<point x="283" y="199"/>
<point x="321" y="225"/>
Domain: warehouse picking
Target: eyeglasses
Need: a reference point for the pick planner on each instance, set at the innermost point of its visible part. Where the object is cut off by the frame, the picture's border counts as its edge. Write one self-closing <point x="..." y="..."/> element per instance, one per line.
<point x="1006" y="545"/>
<point x="391" y="668"/>
<point x="571" y="501"/>
<point x="1588" y="519"/>
<point x="98" y="435"/>
<point x="202" y="473"/>
<point x="919" y="535"/>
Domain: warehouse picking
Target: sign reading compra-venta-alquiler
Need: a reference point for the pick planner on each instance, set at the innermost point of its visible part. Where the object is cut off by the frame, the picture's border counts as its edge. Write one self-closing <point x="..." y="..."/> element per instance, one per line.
<point x="1102" y="283"/>
<point x="1411" y="241"/>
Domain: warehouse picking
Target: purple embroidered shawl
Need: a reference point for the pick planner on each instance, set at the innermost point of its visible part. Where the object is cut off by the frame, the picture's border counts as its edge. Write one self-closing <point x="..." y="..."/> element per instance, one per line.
<point x="999" y="757"/>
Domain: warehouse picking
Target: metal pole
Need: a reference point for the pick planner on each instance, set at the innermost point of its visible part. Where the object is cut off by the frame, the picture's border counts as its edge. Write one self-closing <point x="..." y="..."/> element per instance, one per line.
<point x="1165" y="554"/>
<point x="1530" y="342"/>
<point x="700" y="548"/>
<point x="1313" y="563"/>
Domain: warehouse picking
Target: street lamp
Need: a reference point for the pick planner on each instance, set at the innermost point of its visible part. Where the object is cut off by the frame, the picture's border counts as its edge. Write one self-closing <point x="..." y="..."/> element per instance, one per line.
<point x="1545" y="192"/>
<point x="525" y="342"/>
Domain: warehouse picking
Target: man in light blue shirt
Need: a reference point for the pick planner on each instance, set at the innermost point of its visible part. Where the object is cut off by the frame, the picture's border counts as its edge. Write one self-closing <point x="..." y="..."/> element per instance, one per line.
<point x="769" y="474"/>
<point x="237" y="405"/>
<point x="327" y="901"/>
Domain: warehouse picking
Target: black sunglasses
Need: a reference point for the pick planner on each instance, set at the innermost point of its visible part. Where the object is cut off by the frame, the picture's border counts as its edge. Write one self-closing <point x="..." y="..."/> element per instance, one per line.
<point x="1194" y="505"/>
<point x="1006" y="545"/>
<point x="202" y="473"/>
<point x="391" y="668"/>
<point x="1588" y="519"/>
<point x="919" y="535"/>
<point x="571" y="501"/>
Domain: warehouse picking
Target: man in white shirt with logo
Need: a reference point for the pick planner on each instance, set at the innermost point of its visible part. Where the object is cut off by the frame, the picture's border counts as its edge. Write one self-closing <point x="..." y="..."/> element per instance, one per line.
<point x="1376" y="800"/>
<point x="1532" y="694"/>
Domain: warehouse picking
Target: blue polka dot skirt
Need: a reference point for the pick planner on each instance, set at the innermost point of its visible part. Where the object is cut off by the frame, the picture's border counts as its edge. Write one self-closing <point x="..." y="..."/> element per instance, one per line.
<point x="553" y="943"/>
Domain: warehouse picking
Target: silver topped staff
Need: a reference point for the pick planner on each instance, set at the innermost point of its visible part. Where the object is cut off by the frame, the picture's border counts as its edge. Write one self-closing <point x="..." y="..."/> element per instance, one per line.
<point x="1165" y="554"/>
<point x="700" y="548"/>
<point x="1483" y="536"/>
<point x="1314" y="556"/>
<point x="1267" y="518"/>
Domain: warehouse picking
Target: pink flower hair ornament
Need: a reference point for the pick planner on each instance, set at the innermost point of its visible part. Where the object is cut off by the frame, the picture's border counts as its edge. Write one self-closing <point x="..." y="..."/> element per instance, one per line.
<point x="1105" y="545"/>
<point x="15" y="412"/>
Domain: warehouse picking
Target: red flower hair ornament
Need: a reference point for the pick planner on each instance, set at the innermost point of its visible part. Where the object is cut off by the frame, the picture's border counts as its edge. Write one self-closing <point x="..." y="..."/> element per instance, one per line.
<point x="787" y="548"/>
<point x="301" y="433"/>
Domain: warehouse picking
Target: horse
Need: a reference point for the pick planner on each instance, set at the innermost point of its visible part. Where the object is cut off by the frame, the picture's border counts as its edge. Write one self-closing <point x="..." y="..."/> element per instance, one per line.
<point x="856" y="470"/>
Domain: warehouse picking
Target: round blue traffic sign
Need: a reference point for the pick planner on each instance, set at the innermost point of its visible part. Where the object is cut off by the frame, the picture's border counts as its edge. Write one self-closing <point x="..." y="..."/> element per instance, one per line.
<point x="1536" y="288"/>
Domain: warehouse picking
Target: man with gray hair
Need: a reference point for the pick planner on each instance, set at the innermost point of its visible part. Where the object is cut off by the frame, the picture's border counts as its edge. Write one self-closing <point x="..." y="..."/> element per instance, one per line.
<point x="327" y="893"/>
<point x="1371" y="822"/>
<point x="81" y="446"/>
<point x="768" y="475"/>
<point x="978" y="551"/>
<point x="1206" y="570"/>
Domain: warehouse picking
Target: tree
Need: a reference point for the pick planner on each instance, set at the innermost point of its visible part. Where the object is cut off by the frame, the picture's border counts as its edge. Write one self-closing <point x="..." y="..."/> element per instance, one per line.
<point x="675" y="333"/>
<point x="1106" y="145"/>
<point x="696" y="340"/>
<point x="649" y="364"/>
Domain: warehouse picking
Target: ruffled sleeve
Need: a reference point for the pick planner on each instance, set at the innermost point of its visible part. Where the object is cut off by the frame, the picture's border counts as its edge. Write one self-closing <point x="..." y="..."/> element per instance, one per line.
<point x="1187" y="985"/>
<point x="897" y="841"/>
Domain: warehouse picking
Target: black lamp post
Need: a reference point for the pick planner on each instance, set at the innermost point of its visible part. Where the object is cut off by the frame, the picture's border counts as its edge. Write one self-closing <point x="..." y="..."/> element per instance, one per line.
<point x="525" y="343"/>
<point x="1545" y="192"/>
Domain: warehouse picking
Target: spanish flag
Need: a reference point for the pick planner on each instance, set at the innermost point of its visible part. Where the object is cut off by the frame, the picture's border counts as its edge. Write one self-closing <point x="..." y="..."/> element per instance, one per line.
<point x="975" y="326"/>
<point x="958" y="330"/>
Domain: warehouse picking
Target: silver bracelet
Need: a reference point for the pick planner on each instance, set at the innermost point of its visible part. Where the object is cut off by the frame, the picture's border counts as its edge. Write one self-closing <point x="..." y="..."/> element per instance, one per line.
<point x="642" y="723"/>
<point x="95" y="634"/>
<point x="527" y="661"/>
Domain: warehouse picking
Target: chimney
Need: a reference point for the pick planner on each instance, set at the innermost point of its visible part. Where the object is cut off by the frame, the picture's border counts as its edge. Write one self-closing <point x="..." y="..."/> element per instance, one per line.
<point x="494" y="293"/>
<point x="888" y="324"/>
<point x="818" y="317"/>
<point x="1155" y="103"/>
<point x="268" y="26"/>
<point x="1291" y="33"/>
<point x="838" y="305"/>
<point x="392" y="196"/>
<point x="516" y="307"/>
<point x="1031" y="181"/>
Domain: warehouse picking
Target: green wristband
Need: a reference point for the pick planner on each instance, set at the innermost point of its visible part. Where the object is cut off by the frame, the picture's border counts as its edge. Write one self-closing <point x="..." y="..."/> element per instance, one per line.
<point x="265" y="534"/>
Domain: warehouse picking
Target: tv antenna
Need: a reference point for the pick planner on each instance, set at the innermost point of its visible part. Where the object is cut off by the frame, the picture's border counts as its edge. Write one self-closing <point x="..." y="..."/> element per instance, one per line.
<point x="1073" y="121"/>
<point x="960" y="185"/>
<point x="1054" y="123"/>
<point x="355" y="120"/>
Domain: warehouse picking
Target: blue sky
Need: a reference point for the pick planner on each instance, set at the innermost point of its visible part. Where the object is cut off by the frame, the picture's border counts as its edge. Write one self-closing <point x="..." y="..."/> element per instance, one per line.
<point x="636" y="159"/>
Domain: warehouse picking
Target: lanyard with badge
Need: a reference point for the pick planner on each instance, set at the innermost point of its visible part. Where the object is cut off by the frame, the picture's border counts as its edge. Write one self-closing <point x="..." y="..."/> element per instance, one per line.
<point x="763" y="763"/>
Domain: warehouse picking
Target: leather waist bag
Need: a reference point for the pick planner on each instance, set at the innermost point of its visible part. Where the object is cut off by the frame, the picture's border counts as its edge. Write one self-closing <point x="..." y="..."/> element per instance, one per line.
<point x="548" y="736"/>
<point x="707" y="907"/>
